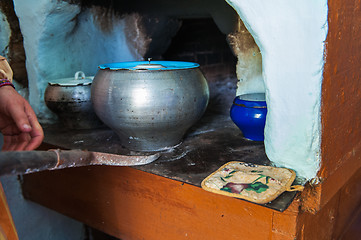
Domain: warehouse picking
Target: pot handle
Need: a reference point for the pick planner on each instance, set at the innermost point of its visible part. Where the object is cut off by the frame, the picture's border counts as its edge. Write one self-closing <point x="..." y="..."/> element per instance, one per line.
<point x="77" y="77"/>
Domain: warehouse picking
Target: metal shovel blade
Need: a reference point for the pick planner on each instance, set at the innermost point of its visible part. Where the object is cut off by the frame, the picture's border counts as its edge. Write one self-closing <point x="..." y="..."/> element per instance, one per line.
<point x="22" y="162"/>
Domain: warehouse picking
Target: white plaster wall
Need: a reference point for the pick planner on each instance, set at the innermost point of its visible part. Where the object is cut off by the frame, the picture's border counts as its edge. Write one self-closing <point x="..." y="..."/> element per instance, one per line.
<point x="290" y="35"/>
<point x="60" y="40"/>
<point x="4" y="35"/>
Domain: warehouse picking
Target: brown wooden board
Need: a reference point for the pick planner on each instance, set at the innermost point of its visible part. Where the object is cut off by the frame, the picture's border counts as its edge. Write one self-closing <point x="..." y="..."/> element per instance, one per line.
<point x="133" y="204"/>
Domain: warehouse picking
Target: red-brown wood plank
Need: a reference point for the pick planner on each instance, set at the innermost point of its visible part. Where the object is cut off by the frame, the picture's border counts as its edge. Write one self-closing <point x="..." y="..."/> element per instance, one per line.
<point x="132" y="204"/>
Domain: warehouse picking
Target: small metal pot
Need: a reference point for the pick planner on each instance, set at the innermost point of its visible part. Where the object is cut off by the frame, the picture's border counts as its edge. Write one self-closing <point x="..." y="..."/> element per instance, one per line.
<point x="70" y="100"/>
<point x="150" y="105"/>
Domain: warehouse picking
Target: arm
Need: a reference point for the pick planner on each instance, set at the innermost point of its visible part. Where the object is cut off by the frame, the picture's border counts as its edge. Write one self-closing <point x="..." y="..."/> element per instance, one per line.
<point x="18" y="122"/>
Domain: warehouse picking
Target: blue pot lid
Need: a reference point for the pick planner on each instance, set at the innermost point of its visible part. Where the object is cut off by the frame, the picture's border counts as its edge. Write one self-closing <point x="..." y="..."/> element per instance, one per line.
<point x="149" y="65"/>
<point x="253" y="100"/>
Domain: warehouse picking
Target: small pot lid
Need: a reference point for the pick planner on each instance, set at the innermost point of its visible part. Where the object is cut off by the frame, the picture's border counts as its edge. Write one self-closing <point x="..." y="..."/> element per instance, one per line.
<point x="78" y="80"/>
<point x="149" y="65"/>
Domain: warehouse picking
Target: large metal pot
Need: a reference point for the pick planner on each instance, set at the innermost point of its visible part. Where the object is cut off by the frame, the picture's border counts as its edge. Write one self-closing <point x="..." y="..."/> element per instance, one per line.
<point x="150" y="105"/>
<point x="69" y="99"/>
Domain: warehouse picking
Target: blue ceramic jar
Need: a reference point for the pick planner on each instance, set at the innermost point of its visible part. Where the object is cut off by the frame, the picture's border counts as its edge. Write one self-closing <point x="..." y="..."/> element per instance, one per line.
<point x="249" y="112"/>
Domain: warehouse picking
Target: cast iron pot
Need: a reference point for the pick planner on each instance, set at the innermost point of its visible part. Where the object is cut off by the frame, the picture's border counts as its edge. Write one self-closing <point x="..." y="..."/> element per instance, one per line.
<point x="69" y="99"/>
<point x="150" y="105"/>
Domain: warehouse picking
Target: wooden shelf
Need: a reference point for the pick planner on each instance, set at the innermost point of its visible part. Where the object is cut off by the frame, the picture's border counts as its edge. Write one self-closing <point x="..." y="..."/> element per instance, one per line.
<point x="132" y="204"/>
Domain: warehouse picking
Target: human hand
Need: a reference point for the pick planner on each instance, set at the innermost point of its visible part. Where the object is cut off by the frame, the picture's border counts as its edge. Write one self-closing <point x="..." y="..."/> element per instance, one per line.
<point x="18" y="122"/>
<point x="5" y="70"/>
